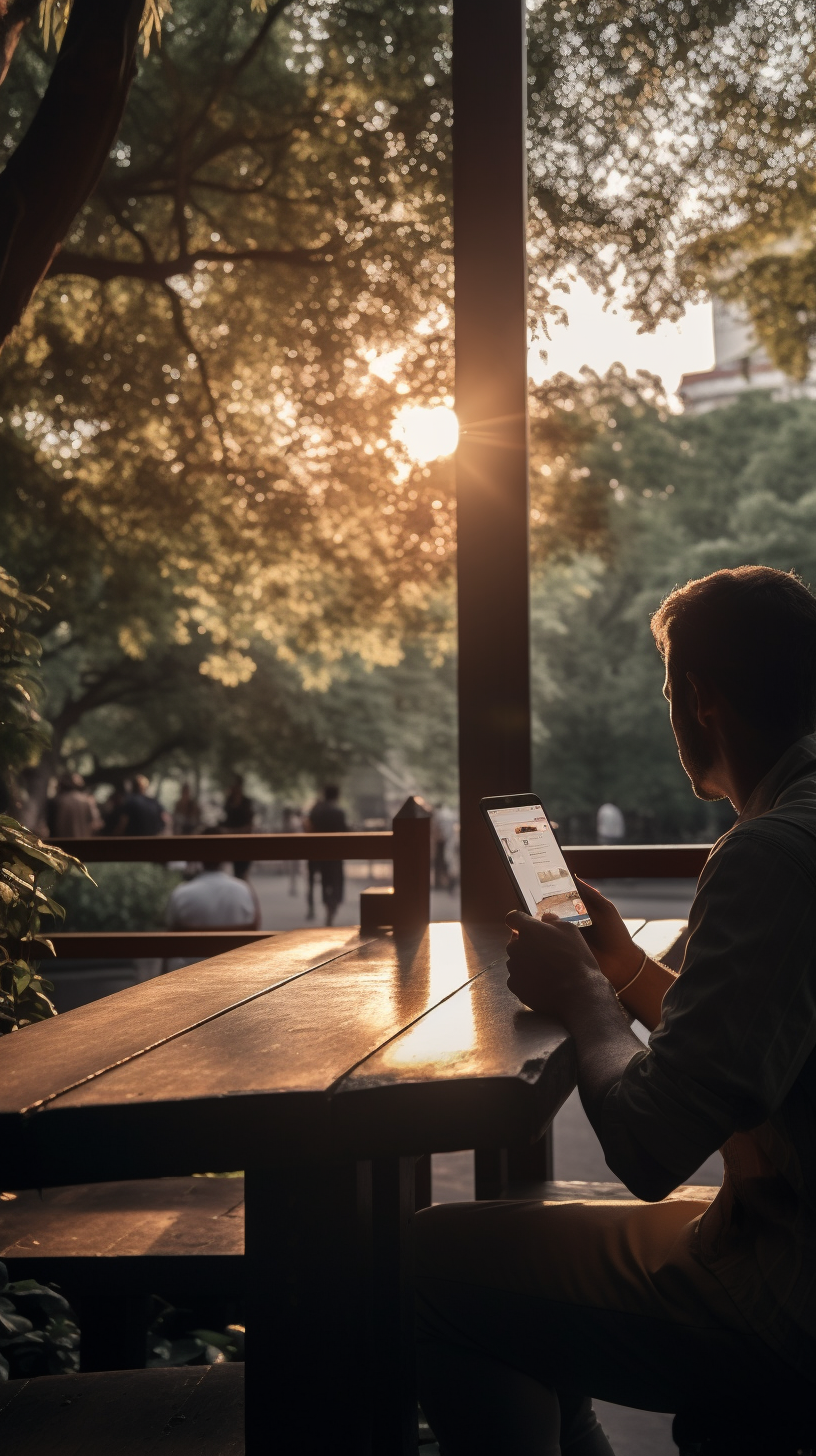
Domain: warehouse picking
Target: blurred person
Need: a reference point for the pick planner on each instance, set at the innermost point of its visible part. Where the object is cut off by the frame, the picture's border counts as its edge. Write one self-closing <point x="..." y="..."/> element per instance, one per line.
<point x="293" y="824"/>
<point x="610" y="825"/>
<point x="326" y="817"/>
<point x="442" y="824"/>
<point x="239" y="818"/>
<point x="213" y="900"/>
<point x="73" y="812"/>
<point x="139" y="813"/>
<point x="111" y="810"/>
<point x="187" y="813"/>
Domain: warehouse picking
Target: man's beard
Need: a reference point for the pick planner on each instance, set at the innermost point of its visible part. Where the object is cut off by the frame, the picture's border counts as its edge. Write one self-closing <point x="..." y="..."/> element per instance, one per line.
<point x="695" y="758"/>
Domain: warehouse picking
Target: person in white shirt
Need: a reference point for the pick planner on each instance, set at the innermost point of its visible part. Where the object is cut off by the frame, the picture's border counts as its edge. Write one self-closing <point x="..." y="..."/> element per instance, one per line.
<point x="610" y="824"/>
<point x="213" y="900"/>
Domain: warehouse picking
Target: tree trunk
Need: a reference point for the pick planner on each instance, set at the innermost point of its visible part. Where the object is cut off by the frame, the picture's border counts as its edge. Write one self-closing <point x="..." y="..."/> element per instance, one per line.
<point x="58" y="163"/>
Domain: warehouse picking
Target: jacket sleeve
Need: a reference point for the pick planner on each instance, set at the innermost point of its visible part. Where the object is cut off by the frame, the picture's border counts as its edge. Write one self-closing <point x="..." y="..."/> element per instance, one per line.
<point x="739" y="1022"/>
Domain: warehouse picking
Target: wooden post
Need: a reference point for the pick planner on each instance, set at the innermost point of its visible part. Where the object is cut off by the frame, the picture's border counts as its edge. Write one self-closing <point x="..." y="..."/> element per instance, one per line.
<point x="412" y="866"/>
<point x="308" y="1252"/>
<point x="490" y="215"/>
<point x="394" y="1420"/>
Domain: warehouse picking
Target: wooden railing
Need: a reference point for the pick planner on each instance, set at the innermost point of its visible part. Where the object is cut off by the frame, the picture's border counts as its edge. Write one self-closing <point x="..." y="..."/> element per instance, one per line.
<point x="637" y="861"/>
<point x="406" y="904"/>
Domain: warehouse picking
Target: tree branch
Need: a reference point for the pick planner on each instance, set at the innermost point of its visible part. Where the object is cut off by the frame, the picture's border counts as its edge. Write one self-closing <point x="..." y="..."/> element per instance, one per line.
<point x="90" y="265"/>
<point x="59" y="160"/>
<point x="187" y="340"/>
<point x="14" y="17"/>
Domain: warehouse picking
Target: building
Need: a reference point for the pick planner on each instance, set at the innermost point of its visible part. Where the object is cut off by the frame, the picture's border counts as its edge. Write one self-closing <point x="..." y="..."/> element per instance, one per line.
<point x="740" y="364"/>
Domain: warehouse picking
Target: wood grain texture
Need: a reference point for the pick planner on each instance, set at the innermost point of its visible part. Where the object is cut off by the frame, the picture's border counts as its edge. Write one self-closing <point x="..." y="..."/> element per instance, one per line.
<point x="104" y="1221"/>
<point x="197" y="1411"/>
<point x="478" y="1070"/>
<point x="102" y="944"/>
<point x="253" y="1086"/>
<point x="78" y="1043"/>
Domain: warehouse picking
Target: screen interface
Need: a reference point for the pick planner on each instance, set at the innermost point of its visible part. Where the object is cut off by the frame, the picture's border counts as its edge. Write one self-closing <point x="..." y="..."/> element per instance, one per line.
<point x="537" y="864"/>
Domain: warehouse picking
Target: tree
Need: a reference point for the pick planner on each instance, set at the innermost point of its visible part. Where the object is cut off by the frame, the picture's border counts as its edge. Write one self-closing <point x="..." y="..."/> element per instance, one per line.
<point x="684" y="496"/>
<point x="58" y="161"/>
<point x="232" y="403"/>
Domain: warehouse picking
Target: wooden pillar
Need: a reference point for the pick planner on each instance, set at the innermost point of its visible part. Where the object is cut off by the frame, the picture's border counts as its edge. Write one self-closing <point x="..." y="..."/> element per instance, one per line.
<point x="394" y="1413"/>
<point x="308" y="1295"/>
<point x="489" y="201"/>
<point x="412" y="866"/>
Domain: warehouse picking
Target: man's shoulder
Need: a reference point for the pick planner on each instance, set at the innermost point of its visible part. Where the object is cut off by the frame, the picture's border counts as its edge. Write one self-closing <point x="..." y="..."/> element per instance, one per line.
<point x="788" y="830"/>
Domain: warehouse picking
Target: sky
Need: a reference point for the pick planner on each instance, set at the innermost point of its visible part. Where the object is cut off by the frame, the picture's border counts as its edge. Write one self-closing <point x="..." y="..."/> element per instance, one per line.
<point x="599" y="337"/>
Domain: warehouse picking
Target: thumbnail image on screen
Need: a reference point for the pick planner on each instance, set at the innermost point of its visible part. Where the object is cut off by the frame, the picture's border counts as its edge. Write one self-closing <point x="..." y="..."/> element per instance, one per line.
<point x="537" y="864"/>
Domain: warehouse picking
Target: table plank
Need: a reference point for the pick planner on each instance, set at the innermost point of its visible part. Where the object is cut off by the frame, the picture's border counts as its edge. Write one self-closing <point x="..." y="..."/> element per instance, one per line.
<point x="253" y="1086"/>
<point x="197" y="1411"/>
<point x="160" y="1216"/>
<point x="477" y="1071"/>
<point x="55" y="1054"/>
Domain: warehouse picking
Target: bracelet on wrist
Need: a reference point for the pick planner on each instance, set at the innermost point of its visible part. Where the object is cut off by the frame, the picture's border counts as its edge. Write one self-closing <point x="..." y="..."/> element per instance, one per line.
<point x="635" y="976"/>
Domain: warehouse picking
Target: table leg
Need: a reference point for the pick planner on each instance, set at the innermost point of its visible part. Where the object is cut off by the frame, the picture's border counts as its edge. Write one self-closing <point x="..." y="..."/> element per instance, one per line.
<point x="114" y="1330"/>
<point x="308" y="1280"/>
<point x="394" y="1199"/>
<point x="497" y="1169"/>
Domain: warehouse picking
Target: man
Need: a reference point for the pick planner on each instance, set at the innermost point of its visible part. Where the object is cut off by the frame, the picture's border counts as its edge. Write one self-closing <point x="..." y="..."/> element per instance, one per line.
<point x="213" y="900"/>
<point x="326" y="817"/>
<point x="139" y="813"/>
<point x="239" y="818"/>
<point x="686" y="1300"/>
<point x="73" y="812"/>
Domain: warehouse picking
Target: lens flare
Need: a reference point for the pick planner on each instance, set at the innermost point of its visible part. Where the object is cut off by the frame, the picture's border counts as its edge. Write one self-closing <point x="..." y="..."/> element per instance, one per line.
<point x="427" y="433"/>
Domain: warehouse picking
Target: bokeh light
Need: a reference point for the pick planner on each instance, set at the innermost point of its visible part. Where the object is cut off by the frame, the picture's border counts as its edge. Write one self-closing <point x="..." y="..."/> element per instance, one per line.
<point x="427" y="432"/>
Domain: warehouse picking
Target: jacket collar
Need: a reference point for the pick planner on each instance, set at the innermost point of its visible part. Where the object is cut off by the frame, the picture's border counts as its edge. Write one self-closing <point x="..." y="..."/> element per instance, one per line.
<point x="796" y="761"/>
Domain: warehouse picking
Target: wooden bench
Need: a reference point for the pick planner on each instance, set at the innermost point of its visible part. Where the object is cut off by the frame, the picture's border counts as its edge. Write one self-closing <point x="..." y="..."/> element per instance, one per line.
<point x="110" y="1246"/>
<point x="194" y="1411"/>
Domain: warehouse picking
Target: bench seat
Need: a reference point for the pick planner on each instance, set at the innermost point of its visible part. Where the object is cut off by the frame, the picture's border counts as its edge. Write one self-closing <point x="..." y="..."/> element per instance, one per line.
<point x="110" y="1246"/>
<point x="195" y="1411"/>
<point x="127" y="1237"/>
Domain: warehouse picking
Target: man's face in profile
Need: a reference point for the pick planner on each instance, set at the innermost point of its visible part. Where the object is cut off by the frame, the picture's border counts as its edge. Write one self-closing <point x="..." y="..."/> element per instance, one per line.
<point x="693" y="744"/>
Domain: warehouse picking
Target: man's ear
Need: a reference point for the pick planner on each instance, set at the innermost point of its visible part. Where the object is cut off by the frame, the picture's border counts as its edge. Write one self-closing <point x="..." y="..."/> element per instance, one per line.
<point x="701" y="699"/>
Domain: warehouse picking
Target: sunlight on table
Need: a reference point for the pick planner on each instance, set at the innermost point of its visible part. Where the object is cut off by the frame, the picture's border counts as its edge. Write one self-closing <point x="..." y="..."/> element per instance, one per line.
<point x="450" y="1030"/>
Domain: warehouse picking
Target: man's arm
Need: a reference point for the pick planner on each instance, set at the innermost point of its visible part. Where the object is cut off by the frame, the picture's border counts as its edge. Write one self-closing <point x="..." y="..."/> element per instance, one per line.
<point x="737" y="1025"/>
<point x="552" y="970"/>
<point x="640" y="984"/>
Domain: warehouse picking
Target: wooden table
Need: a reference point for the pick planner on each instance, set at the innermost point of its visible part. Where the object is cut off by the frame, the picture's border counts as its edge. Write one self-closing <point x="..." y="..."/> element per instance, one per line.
<point x="323" y="1064"/>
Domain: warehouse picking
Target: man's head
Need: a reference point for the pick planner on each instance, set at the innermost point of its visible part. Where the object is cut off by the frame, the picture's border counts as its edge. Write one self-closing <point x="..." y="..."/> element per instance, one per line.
<point x="740" y="654"/>
<point x="331" y="793"/>
<point x="141" y="784"/>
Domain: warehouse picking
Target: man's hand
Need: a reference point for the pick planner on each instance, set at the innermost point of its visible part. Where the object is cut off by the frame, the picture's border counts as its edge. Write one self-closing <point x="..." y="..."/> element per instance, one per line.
<point x="608" y="939"/>
<point x="552" y="969"/>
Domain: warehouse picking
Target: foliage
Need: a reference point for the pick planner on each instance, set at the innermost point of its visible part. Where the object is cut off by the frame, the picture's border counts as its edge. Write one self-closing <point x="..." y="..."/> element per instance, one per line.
<point x="25" y="862"/>
<point x="38" y="1330"/>
<point x="115" y="714"/>
<point x="23" y="733"/>
<point x="53" y="17"/>
<point x="261" y="278"/>
<point x="171" y="1341"/>
<point x="673" y="151"/>
<point x="684" y="496"/>
<point x="126" y="897"/>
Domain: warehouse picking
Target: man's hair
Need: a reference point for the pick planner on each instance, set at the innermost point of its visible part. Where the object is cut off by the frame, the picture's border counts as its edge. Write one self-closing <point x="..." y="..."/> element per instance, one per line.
<point x="331" y="791"/>
<point x="751" y="632"/>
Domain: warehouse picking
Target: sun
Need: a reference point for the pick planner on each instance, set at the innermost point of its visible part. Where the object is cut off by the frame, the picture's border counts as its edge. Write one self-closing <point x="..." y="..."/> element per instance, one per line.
<point x="427" y="432"/>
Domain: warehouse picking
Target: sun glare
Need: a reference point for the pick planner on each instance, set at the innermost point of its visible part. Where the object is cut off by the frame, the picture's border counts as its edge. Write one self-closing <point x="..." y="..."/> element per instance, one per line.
<point x="427" y="433"/>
